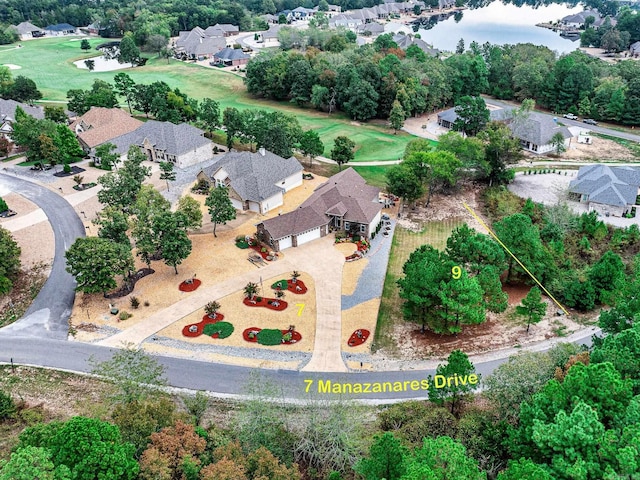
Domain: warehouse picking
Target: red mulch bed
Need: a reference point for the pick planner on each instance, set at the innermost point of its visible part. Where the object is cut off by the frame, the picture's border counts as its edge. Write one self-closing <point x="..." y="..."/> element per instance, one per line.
<point x="257" y="248"/>
<point x="265" y="303"/>
<point x="295" y="336"/>
<point x="200" y="325"/>
<point x="292" y="287"/>
<point x="356" y="339"/>
<point x="245" y="334"/>
<point x="190" y="287"/>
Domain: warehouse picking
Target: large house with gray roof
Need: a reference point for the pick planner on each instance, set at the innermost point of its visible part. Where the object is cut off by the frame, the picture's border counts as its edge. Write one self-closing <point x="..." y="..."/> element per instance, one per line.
<point x="200" y="44"/>
<point x="607" y="190"/>
<point x="182" y="145"/>
<point x="230" y="57"/>
<point x="257" y="181"/>
<point x="535" y="132"/>
<point x="344" y="202"/>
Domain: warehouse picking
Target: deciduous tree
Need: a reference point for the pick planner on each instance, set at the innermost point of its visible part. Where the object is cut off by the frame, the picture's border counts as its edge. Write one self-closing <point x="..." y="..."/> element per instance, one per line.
<point x="473" y="115"/>
<point x="396" y="116"/>
<point x="310" y="145"/>
<point x="9" y="260"/>
<point x="95" y="262"/>
<point x="343" y="150"/>
<point x="190" y="208"/>
<point x="220" y="207"/>
<point x="167" y="173"/>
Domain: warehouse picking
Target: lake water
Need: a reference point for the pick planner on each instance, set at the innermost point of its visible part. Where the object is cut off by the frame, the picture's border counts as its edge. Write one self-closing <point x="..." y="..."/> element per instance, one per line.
<point x="502" y="24"/>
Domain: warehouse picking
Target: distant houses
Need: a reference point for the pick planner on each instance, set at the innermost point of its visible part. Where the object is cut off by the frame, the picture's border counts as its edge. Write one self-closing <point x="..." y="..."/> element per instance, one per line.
<point x="578" y="20"/>
<point x="257" y="181"/>
<point x="198" y="44"/>
<point x="607" y="190"/>
<point x="26" y="30"/>
<point x="61" y="29"/>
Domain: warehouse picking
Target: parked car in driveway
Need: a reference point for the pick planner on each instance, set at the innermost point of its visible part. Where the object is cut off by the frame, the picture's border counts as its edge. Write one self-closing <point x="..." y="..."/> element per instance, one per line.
<point x="590" y="121"/>
<point x="570" y="116"/>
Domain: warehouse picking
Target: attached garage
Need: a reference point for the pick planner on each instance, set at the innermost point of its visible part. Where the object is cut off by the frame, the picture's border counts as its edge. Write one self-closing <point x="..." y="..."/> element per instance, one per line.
<point x="237" y="204"/>
<point x="308" y="236"/>
<point x="284" y="243"/>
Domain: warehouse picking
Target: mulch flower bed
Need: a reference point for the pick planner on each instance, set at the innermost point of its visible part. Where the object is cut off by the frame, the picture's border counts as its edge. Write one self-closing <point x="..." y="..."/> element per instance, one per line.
<point x="298" y="287"/>
<point x="358" y="337"/>
<point x="196" y="329"/>
<point x="266" y="302"/>
<point x="190" y="286"/>
<point x="252" y="335"/>
<point x="84" y="186"/>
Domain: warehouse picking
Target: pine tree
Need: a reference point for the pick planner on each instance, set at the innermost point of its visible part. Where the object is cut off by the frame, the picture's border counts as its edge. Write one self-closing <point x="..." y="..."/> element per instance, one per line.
<point x="532" y="308"/>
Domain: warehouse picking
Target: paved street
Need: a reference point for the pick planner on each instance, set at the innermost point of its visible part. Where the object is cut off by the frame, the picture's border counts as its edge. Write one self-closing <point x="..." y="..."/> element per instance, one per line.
<point x="49" y="313"/>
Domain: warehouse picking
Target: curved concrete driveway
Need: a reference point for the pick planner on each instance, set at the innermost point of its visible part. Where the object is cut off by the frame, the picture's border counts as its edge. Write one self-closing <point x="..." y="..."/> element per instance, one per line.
<point x="48" y="315"/>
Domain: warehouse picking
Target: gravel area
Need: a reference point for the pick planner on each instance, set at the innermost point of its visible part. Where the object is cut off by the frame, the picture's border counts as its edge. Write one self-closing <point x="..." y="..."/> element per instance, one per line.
<point x="372" y="279"/>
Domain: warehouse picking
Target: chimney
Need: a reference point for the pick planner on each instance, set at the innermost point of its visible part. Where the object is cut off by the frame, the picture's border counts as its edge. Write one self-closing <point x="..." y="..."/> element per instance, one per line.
<point x="261" y="150"/>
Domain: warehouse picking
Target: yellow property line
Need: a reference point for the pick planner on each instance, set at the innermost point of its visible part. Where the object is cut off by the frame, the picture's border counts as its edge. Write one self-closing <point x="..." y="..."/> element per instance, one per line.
<point x="514" y="257"/>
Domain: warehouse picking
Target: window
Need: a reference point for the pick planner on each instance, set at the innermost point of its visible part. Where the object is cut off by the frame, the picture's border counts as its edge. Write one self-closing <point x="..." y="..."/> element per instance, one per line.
<point x="363" y="228"/>
<point x="347" y="225"/>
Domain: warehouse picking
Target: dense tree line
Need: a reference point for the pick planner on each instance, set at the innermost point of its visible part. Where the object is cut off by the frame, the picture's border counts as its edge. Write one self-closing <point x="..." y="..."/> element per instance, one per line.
<point x="365" y="81"/>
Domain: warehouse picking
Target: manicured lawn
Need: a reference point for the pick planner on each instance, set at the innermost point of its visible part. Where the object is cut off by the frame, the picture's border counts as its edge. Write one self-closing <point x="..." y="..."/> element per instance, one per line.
<point x="373" y="175"/>
<point x="404" y="243"/>
<point x="49" y="62"/>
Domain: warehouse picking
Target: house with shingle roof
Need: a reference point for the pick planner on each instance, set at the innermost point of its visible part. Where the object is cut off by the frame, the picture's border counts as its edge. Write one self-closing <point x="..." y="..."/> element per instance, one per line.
<point x="534" y="132"/>
<point x="28" y="30"/>
<point x="227" y="28"/>
<point x="405" y="41"/>
<point x="607" y="190"/>
<point x="99" y="125"/>
<point x="231" y="57"/>
<point x="182" y="145"/>
<point x="344" y="202"/>
<point x="197" y="44"/>
<point x="61" y="29"/>
<point x="257" y="181"/>
<point x="8" y="114"/>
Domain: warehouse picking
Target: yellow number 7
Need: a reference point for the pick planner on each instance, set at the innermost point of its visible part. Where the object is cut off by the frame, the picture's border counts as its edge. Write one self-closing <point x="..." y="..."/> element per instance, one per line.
<point x="300" y="308"/>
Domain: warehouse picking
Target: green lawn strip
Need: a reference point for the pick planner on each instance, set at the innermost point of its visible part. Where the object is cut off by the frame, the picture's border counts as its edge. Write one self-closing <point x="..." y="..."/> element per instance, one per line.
<point x="373" y="175"/>
<point x="404" y="243"/>
<point x="374" y="139"/>
<point x="223" y="329"/>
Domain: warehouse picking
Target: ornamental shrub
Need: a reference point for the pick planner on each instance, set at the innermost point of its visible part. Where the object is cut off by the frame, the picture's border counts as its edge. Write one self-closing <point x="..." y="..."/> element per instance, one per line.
<point x="66" y="168"/>
<point x="269" y="336"/>
<point x="223" y="329"/>
<point x="3" y="206"/>
<point x="7" y="405"/>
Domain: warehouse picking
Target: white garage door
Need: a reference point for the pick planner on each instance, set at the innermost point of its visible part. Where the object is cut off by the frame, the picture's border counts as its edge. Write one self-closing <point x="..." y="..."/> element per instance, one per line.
<point x="237" y="204"/>
<point x="308" y="236"/>
<point x="285" y="242"/>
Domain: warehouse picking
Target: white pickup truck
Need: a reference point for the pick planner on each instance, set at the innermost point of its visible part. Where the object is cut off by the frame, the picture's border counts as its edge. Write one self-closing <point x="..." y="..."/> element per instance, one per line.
<point x="570" y="116"/>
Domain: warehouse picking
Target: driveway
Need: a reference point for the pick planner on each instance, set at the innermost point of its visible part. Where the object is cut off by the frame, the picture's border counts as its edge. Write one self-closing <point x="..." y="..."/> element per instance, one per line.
<point x="48" y="315"/>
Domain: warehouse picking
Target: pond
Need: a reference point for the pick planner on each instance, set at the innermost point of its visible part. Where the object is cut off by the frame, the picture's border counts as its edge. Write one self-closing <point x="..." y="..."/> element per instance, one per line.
<point x="501" y="24"/>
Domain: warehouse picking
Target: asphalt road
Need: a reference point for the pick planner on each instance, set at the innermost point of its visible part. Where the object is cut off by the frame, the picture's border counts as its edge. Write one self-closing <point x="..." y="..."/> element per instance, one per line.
<point x="48" y="315"/>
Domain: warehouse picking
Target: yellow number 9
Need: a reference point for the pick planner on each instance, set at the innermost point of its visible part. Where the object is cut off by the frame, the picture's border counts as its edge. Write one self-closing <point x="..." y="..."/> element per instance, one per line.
<point x="456" y="272"/>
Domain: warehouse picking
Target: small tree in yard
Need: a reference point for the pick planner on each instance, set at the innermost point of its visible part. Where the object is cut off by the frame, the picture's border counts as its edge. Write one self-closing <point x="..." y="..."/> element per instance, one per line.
<point x="78" y="179"/>
<point x="167" y="172"/>
<point x="211" y="309"/>
<point x="220" y="207"/>
<point x="5" y="146"/>
<point x="85" y="45"/>
<point x="3" y="206"/>
<point x="105" y="155"/>
<point x="311" y="145"/>
<point x="343" y="152"/>
<point x="532" y="308"/>
<point x="250" y="290"/>
<point x="558" y="143"/>
<point x="9" y="260"/>
<point x="294" y="276"/>
<point x="396" y="116"/>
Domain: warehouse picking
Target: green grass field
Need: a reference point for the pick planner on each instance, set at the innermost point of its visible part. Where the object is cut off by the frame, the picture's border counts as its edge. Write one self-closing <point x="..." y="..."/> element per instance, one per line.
<point x="49" y="62"/>
<point x="404" y="243"/>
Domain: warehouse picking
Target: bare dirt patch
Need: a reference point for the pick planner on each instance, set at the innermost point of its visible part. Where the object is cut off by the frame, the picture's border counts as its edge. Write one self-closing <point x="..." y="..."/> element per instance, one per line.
<point x="600" y="149"/>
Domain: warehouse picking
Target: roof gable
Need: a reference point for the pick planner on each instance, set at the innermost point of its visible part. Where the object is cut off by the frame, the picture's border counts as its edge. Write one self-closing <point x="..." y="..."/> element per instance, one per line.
<point x="607" y="185"/>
